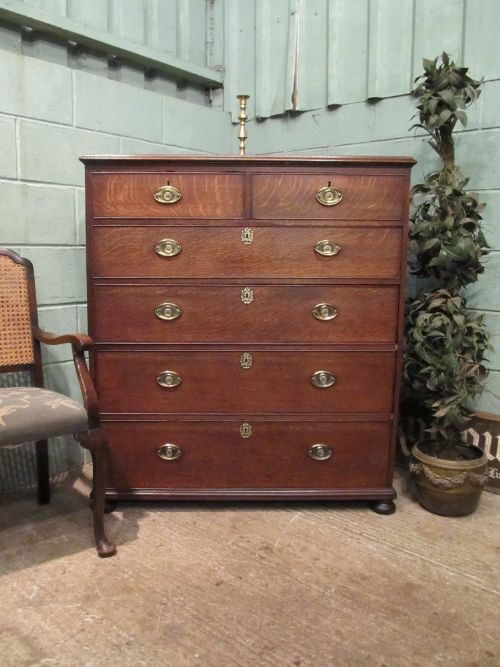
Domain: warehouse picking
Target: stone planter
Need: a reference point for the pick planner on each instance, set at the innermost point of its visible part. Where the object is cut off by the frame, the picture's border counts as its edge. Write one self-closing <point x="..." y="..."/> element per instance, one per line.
<point x="450" y="488"/>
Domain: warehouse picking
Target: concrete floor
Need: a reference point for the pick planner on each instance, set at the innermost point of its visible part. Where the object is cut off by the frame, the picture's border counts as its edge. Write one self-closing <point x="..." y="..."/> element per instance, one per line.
<point x="309" y="585"/>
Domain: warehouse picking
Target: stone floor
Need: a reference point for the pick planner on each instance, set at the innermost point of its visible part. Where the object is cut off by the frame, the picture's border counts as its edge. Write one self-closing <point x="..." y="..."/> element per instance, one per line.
<point x="257" y="585"/>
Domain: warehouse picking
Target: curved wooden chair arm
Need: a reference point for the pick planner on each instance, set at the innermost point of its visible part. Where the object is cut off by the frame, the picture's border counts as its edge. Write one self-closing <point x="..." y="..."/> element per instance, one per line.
<point x="90" y="400"/>
<point x="79" y="340"/>
<point x="80" y="343"/>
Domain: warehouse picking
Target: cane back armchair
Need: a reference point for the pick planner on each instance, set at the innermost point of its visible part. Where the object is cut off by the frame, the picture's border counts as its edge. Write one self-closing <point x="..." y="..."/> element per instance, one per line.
<point x="35" y="413"/>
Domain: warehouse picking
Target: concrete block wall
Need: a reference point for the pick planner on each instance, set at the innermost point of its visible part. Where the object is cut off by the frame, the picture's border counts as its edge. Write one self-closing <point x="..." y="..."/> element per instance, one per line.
<point x="382" y="128"/>
<point x="50" y="114"/>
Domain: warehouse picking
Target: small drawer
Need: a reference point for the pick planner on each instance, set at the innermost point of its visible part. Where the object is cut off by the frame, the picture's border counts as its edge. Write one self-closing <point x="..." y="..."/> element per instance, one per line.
<point x="246" y="251"/>
<point x="328" y="196"/>
<point x="167" y="195"/>
<point x="211" y="381"/>
<point x="269" y="454"/>
<point x="235" y="314"/>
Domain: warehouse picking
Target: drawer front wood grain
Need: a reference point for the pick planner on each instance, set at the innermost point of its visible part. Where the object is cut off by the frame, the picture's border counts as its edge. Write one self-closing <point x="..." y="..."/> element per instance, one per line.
<point x="214" y="455"/>
<point x="293" y="196"/>
<point x="275" y="252"/>
<point x="215" y="382"/>
<point x="131" y="195"/>
<point x="211" y="314"/>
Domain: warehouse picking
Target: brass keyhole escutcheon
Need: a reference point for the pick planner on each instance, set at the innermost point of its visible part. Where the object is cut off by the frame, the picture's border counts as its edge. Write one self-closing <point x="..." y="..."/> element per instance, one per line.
<point x="325" y="312"/>
<point x="167" y="194"/>
<point x="320" y="452"/>
<point x="168" y="248"/>
<point x="247" y="295"/>
<point x="246" y="360"/>
<point x="245" y="430"/>
<point x="247" y="236"/>
<point x="323" y="379"/>
<point x="169" y="452"/>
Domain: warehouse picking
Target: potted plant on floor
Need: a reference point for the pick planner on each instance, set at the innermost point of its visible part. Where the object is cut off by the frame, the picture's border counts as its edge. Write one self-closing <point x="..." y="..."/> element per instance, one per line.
<point x="446" y="342"/>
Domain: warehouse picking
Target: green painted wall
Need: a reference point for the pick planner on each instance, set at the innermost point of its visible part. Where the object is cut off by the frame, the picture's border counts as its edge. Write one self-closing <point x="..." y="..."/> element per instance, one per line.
<point x="54" y="107"/>
<point x="375" y="113"/>
<point x="310" y="54"/>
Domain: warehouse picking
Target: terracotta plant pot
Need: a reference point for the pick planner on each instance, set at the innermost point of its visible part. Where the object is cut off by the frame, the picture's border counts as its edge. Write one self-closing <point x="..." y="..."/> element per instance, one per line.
<point x="450" y="488"/>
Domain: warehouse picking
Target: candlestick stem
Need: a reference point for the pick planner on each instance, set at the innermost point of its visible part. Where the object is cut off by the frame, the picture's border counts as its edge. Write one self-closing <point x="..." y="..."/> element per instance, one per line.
<point x="242" y="134"/>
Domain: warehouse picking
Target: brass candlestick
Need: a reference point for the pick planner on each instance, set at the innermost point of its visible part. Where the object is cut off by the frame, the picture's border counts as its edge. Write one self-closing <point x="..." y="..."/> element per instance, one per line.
<point x="242" y="135"/>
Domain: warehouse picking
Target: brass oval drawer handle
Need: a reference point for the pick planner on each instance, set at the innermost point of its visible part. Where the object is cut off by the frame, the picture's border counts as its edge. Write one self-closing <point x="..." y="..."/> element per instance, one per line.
<point x="323" y="379"/>
<point x="168" y="311"/>
<point x="325" y="312"/>
<point x="320" y="452"/>
<point x="327" y="248"/>
<point x="168" y="248"/>
<point x="329" y="196"/>
<point x="169" y="452"/>
<point x="167" y="194"/>
<point x="169" y="379"/>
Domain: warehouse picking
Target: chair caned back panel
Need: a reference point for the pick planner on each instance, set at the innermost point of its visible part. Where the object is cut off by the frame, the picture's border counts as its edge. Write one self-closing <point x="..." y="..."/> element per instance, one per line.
<point x="16" y="340"/>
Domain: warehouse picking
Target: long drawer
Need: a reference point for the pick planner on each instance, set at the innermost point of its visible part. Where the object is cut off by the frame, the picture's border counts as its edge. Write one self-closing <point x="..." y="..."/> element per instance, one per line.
<point x="257" y="314"/>
<point x="327" y="196"/>
<point x="245" y="381"/>
<point x="273" y="454"/>
<point x="168" y="195"/>
<point x="246" y="252"/>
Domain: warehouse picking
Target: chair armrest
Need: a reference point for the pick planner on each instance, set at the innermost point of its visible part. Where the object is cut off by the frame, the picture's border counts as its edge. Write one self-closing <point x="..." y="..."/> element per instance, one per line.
<point x="80" y="343"/>
<point x="87" y="387"/>
<point x="79" y="340"/>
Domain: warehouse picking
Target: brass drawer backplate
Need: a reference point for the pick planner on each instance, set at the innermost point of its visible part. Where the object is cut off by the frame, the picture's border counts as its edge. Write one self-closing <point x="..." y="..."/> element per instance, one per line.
<point x="169" y="452"/>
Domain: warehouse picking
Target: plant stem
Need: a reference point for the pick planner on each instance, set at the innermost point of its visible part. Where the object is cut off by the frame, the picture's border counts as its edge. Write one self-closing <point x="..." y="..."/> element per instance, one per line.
<point x="446" y="146"/>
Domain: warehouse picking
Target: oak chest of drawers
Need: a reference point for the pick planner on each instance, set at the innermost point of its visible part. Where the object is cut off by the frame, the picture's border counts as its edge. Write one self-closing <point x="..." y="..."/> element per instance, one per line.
<point x="247" y="314"/>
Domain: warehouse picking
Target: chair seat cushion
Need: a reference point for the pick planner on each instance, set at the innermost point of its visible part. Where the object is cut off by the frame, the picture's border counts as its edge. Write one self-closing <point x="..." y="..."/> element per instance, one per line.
<point x="30" y="413"/>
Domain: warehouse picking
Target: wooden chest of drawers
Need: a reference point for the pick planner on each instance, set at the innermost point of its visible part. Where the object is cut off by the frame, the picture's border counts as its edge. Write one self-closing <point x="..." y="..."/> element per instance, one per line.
<point x="247" y="314"/>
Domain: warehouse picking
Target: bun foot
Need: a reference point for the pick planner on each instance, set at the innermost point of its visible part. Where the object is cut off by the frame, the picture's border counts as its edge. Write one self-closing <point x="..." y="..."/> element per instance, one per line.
<point x="383" y="506"/>
<point x="110" y="506"/>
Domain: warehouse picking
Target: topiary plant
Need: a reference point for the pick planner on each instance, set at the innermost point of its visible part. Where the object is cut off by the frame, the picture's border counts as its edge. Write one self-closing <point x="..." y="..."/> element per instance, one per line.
<point x="446" y="343"/>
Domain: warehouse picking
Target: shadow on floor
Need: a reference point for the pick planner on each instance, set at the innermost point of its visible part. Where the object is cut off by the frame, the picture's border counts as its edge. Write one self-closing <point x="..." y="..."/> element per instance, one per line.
<point x="31" y="534"/>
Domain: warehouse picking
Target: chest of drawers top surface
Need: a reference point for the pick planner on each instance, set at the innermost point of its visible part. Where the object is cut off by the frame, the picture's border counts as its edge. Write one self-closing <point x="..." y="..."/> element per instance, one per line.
<point x="247" y="314"/>
<point x="236" y="163"/>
